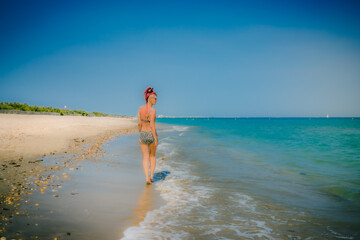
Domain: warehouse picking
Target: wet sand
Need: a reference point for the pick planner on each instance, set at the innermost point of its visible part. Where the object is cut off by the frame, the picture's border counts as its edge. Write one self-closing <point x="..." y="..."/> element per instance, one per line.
<point x="43" y="154"/>
<point x="105" y="196"/>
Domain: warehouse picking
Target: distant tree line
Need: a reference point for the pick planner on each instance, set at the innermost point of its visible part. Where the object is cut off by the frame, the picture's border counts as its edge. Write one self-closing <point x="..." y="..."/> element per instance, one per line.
<point x="26" y="107"/>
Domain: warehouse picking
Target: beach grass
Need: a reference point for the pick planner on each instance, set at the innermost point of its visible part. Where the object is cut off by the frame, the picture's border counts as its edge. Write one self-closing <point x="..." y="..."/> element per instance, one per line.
<point x="9" y="107"/>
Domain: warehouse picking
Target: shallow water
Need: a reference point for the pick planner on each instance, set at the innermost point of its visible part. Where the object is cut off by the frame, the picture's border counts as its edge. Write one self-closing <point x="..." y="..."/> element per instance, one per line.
<point x="256" y="179"/>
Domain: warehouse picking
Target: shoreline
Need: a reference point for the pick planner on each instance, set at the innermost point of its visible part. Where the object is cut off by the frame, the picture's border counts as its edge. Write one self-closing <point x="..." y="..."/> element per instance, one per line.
<point x="25" y="139"/>
<point x="105" y="196"/>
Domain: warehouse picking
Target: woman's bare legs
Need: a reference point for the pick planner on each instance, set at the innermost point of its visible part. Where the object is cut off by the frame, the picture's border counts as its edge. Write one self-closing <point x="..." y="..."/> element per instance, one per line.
<point x="145" y="153"/>
<point x="152" y="160"/>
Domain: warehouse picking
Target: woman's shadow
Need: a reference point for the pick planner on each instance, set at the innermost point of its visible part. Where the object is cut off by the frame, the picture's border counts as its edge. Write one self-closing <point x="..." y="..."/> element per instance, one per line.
<point x="160" y="176"/>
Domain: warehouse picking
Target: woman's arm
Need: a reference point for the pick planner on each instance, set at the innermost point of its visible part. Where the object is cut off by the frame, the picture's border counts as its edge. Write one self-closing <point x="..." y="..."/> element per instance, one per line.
<point x="152" y="124"/>
<point x="139" y="121"/>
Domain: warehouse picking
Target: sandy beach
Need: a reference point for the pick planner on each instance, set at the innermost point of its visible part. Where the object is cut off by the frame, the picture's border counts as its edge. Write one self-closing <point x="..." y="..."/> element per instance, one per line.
<point x="27" y="141"/>
<point x="32" y="136"/>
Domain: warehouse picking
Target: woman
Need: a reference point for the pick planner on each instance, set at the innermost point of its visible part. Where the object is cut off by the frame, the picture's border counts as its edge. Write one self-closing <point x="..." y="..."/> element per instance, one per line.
<point x="148" y="136"/>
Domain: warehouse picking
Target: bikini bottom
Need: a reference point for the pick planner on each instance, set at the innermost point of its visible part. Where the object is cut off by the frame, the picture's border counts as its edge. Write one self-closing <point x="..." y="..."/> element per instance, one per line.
<point x="146" y="137"/>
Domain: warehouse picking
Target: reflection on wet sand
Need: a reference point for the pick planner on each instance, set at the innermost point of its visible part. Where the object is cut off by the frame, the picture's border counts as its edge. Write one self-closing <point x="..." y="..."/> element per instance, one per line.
<point x="146" y="200"/>
<point x="145" y="204"/>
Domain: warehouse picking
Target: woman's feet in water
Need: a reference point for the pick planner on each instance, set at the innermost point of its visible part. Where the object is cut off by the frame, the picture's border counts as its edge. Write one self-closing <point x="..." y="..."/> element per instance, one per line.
<point x="148" y="181"/>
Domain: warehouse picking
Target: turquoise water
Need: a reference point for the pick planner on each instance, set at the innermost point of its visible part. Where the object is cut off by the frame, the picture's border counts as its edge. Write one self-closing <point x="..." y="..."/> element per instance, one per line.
<point x="278" y="178"/>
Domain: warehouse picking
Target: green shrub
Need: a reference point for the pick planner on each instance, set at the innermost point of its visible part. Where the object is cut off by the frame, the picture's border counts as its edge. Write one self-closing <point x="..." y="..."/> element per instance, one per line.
<point x="62" y="112"/>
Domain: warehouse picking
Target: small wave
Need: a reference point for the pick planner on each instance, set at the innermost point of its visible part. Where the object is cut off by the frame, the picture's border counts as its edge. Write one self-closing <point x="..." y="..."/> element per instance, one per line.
<point x="179" y="128"/>
<point x="338" y="235"/>
<point x="174" y="128"/>
<point x="244" y="201"/>
<point x="167" y="149"/>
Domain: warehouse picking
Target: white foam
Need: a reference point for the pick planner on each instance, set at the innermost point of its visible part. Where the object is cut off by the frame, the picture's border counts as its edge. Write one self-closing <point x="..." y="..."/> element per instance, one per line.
<point x="244" y="201"/>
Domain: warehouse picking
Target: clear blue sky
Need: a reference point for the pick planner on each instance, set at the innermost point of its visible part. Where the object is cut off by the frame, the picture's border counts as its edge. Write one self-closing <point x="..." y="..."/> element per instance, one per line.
<point x="204" y="58"/>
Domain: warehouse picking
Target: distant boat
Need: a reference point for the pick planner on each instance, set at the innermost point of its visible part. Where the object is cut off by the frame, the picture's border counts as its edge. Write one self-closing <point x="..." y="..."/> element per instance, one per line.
<point x="327" y="115"/>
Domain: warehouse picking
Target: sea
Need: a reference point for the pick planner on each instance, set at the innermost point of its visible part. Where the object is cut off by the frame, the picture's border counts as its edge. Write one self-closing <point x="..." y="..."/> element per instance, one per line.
<point x="255" y="178"/>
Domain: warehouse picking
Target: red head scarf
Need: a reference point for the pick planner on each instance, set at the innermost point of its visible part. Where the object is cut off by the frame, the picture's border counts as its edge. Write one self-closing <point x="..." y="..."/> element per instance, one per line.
<point x="149" y="91"/>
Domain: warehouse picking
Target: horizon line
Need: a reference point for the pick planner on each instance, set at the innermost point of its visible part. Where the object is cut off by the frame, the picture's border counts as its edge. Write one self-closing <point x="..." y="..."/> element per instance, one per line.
<point x="162" y="116"/>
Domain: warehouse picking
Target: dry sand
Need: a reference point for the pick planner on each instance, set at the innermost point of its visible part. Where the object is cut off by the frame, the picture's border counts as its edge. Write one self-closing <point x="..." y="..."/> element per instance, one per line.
<point x="26" y="138"/>
<point x="32" y="136"/>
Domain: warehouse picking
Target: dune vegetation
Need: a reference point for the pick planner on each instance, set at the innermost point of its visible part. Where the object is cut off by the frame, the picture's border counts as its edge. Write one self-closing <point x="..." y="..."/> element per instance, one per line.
<point x="15" y="106"/>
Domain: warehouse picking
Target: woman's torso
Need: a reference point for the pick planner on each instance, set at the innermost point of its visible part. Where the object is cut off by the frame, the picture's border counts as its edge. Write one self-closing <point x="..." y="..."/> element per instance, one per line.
<point x="144" y="112"/>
